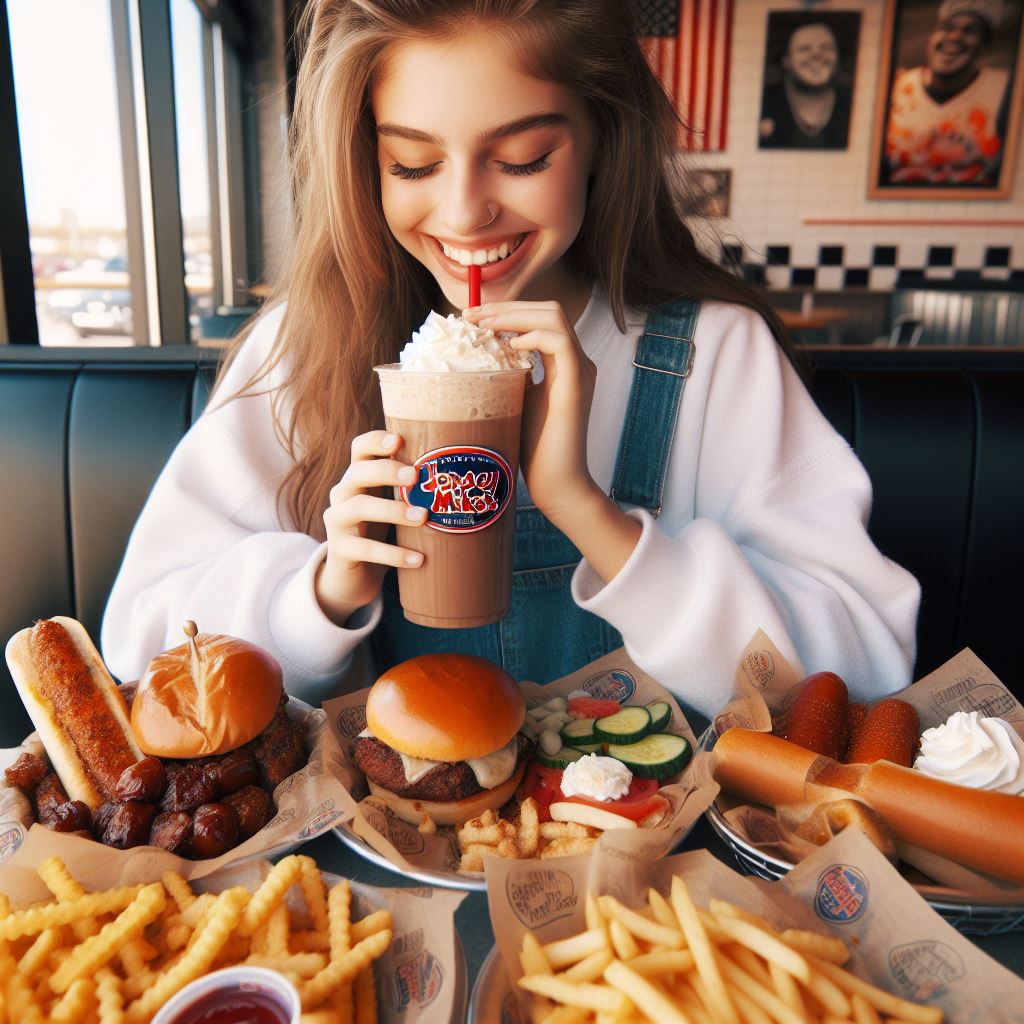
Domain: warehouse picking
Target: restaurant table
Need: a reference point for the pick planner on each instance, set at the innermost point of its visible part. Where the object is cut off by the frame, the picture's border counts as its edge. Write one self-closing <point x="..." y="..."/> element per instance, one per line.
<point x="473" y="922"/>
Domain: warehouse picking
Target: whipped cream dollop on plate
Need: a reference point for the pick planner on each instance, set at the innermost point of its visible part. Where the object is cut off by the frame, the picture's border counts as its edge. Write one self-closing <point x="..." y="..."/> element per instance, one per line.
<point x="968" y="750"/>
<point x="453" y="344"/>
<point x="599" y="778"/>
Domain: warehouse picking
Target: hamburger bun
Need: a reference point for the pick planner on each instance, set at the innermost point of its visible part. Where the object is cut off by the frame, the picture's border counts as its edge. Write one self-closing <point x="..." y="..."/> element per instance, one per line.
<point x="211" y="700"/>
<point x="445" y="707"/>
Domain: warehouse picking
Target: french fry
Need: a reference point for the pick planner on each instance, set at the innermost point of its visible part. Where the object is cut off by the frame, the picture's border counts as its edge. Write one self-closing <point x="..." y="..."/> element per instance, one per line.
<point x="766" y="945"/>
<point x="304" y="965"/>
<point x="283" y="875"/>
<point x="378" y="921"/>
<point x="651" y="1000"/>
<point x="592" y="912"/>
<point x="528" y="828"/>
<point x="532" y="957"/>
<point x="787" y="989"/>
<point x="663" y="961"/>
<point x="365" y="992"/>
<point x="314" y="892"/>
<point x="863" y="1011"/>
<point x="763" y="997"/>
<point x="703" y="954"/>
<point x="588" y="997"/>
<point x="227" y="914"/>
<point x="74" y="1004"/>
<point x="822" y="946"/>
<point x="99" y="949"/>
<point x="344" y="970"/>
<point x="53" y="915"/>
<point x="178" y="889"/>
<point x="564" y="952"/>
<point x="622" y="941"/>
<point x="111" y="1001"/>
<point x="876" y="997"/>
<point x="640" y="926"/>
<point x="590" y="968"/>
<point x="661" y="911"/>
<point x="339" y="923"/>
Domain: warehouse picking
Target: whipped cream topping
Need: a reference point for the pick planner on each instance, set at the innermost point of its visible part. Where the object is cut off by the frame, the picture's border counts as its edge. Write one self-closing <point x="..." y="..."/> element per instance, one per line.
<point x="968" y="750"/>
<point x="600" y="778"/>
<point x="451" y="343"/>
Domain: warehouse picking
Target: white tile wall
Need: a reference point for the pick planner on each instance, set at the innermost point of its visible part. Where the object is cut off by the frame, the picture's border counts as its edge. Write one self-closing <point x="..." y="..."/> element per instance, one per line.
<point x="775" y="192"/>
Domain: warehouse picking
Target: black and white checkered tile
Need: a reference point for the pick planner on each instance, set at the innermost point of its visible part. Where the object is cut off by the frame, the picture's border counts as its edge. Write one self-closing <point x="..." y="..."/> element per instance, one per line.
<point x="879" y="267"/>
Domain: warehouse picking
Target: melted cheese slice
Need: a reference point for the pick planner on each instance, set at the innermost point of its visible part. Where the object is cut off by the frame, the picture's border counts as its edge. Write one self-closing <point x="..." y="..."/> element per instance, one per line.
<point x="490" y="771"/>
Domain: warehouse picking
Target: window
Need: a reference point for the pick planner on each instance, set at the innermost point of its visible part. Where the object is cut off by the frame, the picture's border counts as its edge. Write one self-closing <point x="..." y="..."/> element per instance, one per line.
<point x="63" y="64"/>
<point x="131" y="128"/>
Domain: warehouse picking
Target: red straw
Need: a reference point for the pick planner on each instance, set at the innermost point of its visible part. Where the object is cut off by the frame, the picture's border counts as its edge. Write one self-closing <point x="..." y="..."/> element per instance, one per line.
<point x="474" y="285"/>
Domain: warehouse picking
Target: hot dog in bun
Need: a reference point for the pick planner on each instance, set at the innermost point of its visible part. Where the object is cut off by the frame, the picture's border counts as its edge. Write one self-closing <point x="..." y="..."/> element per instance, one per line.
<point x="442" y="738"/>
<point x="75" y="706"/>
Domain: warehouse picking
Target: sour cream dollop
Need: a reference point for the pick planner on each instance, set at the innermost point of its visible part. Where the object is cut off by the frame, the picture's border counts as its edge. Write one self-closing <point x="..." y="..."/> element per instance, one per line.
<point x="453" y="344"/>
<point x="599" y="778"/>
<point x="968" y="750"/>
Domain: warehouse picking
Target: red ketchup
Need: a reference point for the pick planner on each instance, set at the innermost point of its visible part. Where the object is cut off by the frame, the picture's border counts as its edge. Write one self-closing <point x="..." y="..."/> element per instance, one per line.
<point x="234" y="1007"/>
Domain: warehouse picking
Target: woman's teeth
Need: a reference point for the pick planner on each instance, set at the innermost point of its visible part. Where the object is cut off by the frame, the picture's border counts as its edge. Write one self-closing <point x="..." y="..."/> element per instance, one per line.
<point x="481" y="257"/>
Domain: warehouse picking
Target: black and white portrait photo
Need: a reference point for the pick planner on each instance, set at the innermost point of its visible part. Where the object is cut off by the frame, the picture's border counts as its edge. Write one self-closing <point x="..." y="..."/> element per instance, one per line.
<point x="810" y="57"/>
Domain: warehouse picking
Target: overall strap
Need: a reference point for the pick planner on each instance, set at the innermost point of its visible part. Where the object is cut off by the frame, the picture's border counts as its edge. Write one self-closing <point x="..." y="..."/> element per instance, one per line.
<point x="662" y="361"/>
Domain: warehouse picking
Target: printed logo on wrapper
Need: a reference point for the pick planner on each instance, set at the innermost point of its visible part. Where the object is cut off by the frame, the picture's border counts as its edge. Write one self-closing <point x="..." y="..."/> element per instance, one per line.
<point x="463" y="488"/>
<point x="842" y="894"/>
<point x="924" y="970"/>
<point x="540" y="896"/>
<point x="419" y="980"/>
<point x="352" y="721"/>
<point x="321" y="817"/>
<point x="10" y="839"/>
<point x="405" y="839"/>
<point x="614" y="684"/>
<point x="967" y="694"/>
<point x="761" y="668"/>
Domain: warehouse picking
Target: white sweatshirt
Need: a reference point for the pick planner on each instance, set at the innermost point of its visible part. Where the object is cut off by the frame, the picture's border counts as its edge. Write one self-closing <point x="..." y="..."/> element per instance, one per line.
<point x="763" y="526"/>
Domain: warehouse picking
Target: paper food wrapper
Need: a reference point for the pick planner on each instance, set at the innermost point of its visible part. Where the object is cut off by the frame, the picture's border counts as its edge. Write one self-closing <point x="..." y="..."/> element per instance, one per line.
<point x="846" y="889"/>
<point x="419" y="978"/>
<point x="613" y="676"/>
<point x="768" y="686"/>
<point x="307" y="802"/>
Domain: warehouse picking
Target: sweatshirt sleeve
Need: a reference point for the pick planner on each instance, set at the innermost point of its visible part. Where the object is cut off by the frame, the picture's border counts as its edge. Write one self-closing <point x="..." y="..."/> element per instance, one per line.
<point x="209" y="545"/>
<point x="775" y="539"/>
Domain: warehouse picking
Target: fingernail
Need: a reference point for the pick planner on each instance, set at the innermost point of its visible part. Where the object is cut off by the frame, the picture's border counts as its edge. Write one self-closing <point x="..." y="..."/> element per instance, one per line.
<point x="414" y="513"/>
<point x="389" y="441"/>
<point x="407" y="475"/>
<point x="413" y="558"/>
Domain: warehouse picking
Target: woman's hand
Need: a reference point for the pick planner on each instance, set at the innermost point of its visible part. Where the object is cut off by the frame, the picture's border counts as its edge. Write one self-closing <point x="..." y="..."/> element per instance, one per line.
<point x="557" y="411"/>
<point x="555" y="420"/>
<point x="357" y="522"/>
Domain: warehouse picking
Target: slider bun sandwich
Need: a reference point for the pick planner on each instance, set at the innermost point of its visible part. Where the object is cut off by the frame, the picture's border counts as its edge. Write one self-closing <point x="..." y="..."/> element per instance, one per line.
<point x="442" y="738"/>
<point x="208" y="696"/>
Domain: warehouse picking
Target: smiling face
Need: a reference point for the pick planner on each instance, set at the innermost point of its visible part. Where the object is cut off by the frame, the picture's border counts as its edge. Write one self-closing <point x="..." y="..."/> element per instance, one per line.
<point x="812" y="56"/>
<point x="482" y="163"/>
<point x="955" y="45"/>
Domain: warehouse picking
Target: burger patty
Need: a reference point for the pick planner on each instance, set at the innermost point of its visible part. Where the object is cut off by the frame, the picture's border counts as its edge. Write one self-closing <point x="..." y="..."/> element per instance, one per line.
<point x="450" y="780"/>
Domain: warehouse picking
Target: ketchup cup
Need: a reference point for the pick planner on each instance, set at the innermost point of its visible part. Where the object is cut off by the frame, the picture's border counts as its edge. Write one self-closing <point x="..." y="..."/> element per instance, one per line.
<point x="235" y="995"/>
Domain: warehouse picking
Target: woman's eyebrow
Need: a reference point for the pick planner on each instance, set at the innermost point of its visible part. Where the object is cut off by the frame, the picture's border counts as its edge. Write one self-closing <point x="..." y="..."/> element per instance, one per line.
<point x="521" y="124"/>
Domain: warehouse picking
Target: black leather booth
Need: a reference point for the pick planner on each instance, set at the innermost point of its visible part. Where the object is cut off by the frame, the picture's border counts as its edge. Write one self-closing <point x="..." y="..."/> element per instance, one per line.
<point x="83" y="435"/>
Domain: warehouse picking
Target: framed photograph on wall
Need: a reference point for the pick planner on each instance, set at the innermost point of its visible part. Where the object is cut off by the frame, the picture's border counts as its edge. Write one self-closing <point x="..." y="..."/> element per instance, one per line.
<point x="807" y="91"/>
<point x="950" y="99"/>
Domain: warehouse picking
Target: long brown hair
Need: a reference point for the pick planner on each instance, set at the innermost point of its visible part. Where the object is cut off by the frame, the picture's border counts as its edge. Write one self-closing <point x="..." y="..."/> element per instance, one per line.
<point x="354" y="295"/>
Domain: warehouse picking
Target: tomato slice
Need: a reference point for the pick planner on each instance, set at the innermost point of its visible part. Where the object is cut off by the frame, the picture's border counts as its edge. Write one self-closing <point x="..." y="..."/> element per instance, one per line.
<point x="592" y="707"/>
<point x="544" y="785"/>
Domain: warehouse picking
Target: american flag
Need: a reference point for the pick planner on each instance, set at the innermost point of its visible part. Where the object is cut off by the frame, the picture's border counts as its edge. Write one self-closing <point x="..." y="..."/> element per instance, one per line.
<point x="687" y="45"/>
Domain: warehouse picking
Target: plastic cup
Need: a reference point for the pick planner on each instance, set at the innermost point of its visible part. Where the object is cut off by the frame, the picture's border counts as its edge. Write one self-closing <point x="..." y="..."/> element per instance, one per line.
<point x="266" y="989"/>
<point x="461" y="433"/>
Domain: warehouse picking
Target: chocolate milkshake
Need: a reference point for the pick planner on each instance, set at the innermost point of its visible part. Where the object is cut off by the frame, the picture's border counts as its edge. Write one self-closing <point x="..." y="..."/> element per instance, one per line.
<point x="456" y="398"/>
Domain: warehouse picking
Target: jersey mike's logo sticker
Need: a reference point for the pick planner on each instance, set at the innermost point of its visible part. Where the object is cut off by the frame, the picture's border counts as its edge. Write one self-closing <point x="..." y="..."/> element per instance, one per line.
<point x="463" y="488"/>
<point x="842" y="894"/>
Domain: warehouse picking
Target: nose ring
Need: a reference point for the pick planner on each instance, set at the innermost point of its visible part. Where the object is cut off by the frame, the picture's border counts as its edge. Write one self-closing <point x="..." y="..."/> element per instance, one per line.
<point x="493" y="213"/>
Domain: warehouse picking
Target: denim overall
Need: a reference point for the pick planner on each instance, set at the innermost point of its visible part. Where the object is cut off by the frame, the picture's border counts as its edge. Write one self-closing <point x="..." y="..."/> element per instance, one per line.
<point x="545" y="634"/>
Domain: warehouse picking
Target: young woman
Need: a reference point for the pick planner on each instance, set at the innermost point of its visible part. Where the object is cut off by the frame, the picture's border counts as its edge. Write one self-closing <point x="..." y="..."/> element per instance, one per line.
<point x="676" y="505"/>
